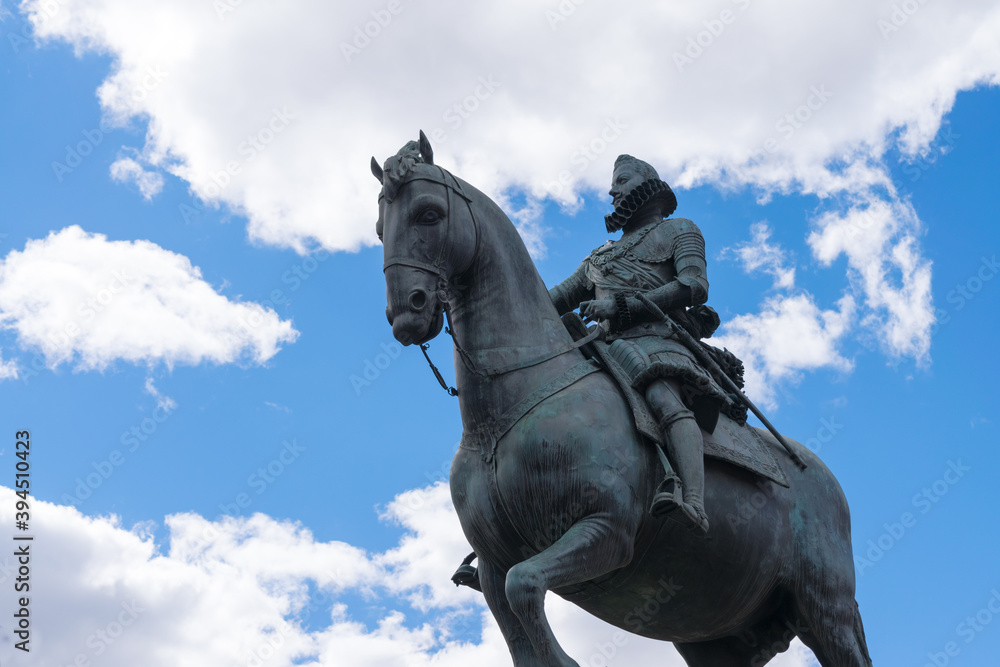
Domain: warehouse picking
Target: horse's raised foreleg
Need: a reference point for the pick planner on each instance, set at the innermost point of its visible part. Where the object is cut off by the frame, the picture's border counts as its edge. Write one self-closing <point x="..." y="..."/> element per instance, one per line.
<point x="591" y="547"/>
<point x="521" y="650"/>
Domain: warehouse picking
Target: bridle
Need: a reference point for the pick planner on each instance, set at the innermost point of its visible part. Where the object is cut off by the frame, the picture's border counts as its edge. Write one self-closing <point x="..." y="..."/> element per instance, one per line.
<point x="452" y="185"/>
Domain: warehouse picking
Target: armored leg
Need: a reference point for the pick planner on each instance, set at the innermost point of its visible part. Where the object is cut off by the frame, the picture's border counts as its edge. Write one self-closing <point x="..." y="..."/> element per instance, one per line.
<point x="686" y="451"/>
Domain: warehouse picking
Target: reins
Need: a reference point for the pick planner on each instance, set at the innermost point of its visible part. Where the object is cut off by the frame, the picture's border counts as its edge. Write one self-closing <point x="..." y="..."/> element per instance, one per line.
<point x="437" y="268"/>
<point x="502" y="370"/>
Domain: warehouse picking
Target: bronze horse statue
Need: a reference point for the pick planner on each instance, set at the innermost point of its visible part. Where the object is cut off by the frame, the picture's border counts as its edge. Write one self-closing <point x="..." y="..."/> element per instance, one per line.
<point x="552" y="480"/>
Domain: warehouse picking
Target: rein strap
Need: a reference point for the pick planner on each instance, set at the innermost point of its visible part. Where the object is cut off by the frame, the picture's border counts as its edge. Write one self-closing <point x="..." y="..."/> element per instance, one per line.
<point x="518" y="365"/>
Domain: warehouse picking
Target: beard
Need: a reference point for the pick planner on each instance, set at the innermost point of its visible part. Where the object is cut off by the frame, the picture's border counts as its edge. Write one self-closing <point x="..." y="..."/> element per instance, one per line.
<point x="650" y="193"/>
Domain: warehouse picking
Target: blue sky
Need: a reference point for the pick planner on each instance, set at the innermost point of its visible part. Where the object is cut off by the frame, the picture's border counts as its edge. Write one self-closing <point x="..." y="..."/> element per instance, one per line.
<point x="321" y="423"/>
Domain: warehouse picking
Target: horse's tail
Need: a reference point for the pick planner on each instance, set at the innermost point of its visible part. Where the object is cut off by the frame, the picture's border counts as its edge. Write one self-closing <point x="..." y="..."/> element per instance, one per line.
<point x="859" y="634"/>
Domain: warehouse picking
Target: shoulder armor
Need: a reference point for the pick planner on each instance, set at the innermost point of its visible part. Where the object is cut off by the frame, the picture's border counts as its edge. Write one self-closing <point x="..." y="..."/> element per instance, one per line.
<point x="661" y="242"/>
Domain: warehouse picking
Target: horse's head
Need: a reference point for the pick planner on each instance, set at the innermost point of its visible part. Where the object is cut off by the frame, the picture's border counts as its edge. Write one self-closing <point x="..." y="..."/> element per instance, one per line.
<point x="428" y="235"/>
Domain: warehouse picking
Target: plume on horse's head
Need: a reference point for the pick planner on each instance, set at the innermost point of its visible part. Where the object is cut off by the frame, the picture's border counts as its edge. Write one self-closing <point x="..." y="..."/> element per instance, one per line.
<point x="397" y="167"/>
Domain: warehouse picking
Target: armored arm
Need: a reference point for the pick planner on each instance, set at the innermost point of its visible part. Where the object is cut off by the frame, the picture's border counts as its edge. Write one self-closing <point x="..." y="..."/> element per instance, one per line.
<point x="690" y="286"/>
<point x="568" y="294"/>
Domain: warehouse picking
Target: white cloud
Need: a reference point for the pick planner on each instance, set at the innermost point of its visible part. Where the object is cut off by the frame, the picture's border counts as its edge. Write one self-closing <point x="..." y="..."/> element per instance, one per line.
<point x="8" y="369"/>
<point x="273" y="109"/>
<point x="759" y="254"/>
<point x="434" y="543"/>
<point x="80" y="298"/>
<point x="525" y="94"/>
<point x="790" y="335"/>
<point x="127" y="170"/>
<point x="887" y="268"/>
<point x="164" y="403"/>
<point x="235" y="592"/>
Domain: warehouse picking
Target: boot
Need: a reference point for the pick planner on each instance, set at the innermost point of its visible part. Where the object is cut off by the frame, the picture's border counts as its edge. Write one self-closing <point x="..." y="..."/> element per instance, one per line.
<point x="686" y="504"/>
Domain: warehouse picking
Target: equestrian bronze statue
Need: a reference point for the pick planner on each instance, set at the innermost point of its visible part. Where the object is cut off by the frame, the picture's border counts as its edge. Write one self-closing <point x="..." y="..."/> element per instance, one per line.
<point x="601" y="463"/>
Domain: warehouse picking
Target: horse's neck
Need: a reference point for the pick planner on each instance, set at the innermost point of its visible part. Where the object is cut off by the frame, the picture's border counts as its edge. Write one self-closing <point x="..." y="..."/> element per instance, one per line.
<point x="502" y="316"/>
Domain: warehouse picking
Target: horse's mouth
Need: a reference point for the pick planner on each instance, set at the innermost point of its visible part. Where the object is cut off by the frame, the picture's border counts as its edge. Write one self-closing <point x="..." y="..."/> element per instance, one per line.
<point x="408" y="329"/>
<point x="436" y="324"/>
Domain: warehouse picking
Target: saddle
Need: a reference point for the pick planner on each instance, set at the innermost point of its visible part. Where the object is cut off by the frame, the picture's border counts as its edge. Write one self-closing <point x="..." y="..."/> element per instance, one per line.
<point x="732" y="440"/>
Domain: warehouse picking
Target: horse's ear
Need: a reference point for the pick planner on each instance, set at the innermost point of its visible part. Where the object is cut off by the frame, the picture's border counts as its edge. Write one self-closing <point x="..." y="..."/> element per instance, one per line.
<point x="426" y="152"/>
<point x="376" y="169"/>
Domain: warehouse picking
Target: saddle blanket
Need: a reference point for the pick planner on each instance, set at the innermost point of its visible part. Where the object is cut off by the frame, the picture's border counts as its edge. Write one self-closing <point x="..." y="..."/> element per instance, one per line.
<point x="732" y="442"/>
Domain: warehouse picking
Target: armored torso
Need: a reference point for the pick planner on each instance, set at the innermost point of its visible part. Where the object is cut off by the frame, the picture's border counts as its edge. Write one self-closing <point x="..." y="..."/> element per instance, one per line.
<point x="636" y="262"/>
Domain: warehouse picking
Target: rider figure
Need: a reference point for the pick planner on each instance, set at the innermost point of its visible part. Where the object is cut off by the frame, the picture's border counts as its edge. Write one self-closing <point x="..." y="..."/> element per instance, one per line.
<point x="664" y="259"/>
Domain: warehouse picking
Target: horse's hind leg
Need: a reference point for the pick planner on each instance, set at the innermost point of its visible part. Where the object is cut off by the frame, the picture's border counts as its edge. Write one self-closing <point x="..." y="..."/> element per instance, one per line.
<point x="591" y="547"/>
<point x="835" y="633"/>
<point x="521" y="650"/>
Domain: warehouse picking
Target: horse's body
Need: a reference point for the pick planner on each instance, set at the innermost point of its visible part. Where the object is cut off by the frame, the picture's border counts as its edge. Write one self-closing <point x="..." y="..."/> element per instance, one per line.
<point x="559" y="502"/>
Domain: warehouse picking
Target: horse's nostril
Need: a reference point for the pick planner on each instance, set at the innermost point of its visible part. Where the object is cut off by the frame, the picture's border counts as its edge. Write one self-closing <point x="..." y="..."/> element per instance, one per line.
<point x="388" y="316"/>
<point x="418" y="299"/>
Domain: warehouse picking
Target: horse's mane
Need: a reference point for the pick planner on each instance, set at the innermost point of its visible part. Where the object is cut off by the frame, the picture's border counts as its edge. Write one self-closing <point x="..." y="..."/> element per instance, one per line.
<point x="398" y="167"/>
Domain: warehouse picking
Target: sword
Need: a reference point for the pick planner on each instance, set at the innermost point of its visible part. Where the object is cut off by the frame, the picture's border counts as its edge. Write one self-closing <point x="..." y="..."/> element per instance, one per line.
<point x="708" y="362"/>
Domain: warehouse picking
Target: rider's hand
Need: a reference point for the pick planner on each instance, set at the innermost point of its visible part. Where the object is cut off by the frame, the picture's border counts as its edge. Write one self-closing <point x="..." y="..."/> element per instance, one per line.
<point x="599" y="309"/>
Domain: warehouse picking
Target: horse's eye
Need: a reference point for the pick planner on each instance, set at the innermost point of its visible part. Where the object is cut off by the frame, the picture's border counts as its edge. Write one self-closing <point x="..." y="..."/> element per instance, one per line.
<point x="428" y="216"/>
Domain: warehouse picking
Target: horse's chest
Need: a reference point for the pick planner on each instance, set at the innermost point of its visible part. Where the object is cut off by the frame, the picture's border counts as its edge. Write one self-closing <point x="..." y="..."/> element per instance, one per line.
<point x="482" y="511"/>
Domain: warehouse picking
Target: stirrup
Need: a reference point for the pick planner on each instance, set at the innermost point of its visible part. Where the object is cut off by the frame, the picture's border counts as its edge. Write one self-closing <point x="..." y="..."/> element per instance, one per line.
<point x="668" y="499"/>
<point x="668" y="504"/>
